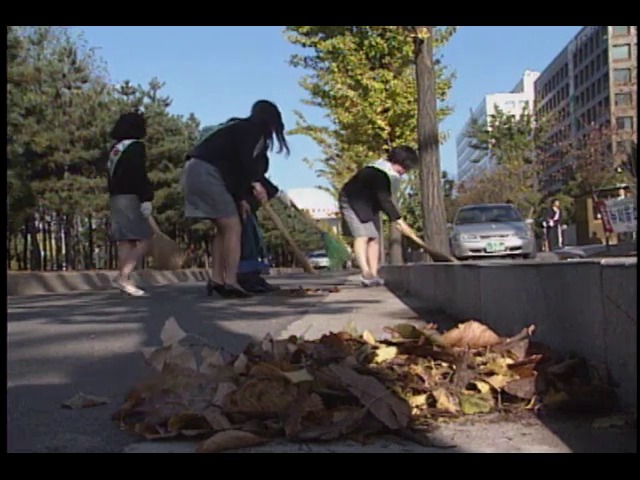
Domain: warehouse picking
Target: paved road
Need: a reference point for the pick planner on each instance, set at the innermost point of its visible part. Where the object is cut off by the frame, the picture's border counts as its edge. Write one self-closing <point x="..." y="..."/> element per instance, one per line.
<point x="59" y="345"/>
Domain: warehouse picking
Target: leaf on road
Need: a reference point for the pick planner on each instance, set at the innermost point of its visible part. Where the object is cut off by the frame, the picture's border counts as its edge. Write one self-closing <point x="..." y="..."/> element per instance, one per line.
<point x="471" y="334"/>
<point x="171" y="332"/>
<point x="241" y="364"/>
<point x="384" y="354"/>
<point x="80" y="400"/>
<point x="181" y="357"/>
<point x="156" y="357"/>
<point x="522" y="388"/>
<point x="188" y="421"/>
<point x="368" y="337"/>
<point x="230" y="440"/>
<point x="391" y="410"/>
<point x="298" y="376"/>
<point x="212" y="358"/>
<point x="498" y="381"/>
<point x="473" y="403"/>
<point x="224" y="389"/>
<point x="405" y="331"/>
<point x="343" y="422"/>
<point x="261" y="396"/>
<point x="217" y="420"/>
<point x="446" y="401"/>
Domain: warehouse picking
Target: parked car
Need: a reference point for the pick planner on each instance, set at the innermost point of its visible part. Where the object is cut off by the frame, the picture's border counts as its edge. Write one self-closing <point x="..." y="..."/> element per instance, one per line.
<point x="491" y="230"/>
<point x="319" y="259"/>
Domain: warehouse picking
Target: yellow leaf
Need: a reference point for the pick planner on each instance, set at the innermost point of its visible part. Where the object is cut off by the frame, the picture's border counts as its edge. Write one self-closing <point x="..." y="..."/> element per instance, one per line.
<point x="385" y="354"/>
<point x="417" y="400"/>
<point x="484" y="387"/>
<point x="471" y="404"/>
<point x="498" y="381"/>
<point x="368" y="337"/>
<point x="446" y="401"/>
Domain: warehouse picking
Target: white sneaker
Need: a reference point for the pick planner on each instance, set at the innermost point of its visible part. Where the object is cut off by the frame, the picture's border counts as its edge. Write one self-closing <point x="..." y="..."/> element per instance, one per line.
<point x="128" y="288"/>
<point x="378" y="282"/>
<point x="367" y="282"/>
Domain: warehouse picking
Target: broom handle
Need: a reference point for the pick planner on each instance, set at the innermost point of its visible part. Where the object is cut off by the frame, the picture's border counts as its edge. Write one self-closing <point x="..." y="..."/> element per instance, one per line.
<point x="434" y="253"/>
<point x="301" y="257"/>
<point x="306" y="218"/>
<point x="154" y="225"/>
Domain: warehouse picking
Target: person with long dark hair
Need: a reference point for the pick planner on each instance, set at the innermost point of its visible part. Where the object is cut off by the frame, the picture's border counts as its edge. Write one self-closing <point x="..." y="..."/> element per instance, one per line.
<point x="222" y="172"/>
<point x="130" y="196"/>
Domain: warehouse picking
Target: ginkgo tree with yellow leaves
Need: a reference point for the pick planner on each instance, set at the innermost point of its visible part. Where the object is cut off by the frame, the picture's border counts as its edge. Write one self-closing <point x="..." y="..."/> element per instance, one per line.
<point x="364" y="78"/>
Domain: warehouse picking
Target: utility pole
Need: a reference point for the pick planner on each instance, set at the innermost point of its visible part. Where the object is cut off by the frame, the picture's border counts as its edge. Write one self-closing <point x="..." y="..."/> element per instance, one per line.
<point x="432" y="199"/>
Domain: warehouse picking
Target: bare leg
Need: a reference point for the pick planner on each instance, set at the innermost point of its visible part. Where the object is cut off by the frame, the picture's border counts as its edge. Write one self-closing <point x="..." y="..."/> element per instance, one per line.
<point x="231" y="230"/>
<point x="124" y="252"/>
<point x="373" y="256"/>
<point x="360" y="250"/>
<point x="217" y="258"/>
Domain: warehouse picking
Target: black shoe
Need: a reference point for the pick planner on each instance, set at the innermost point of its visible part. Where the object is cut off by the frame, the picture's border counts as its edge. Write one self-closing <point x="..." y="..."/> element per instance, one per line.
<point x="229" y="291"/>
<point x="214" y="287"/>
<point x="268" y="287"/>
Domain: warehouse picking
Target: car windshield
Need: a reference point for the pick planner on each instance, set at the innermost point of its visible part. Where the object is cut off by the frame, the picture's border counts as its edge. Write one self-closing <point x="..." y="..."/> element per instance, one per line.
<point x="488" y="214"/>
<point x="317" y="255"/>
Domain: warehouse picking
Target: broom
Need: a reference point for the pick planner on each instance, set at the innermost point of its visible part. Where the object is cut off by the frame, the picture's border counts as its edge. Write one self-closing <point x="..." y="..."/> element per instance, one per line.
<point x="166" y="253"/>
<point x="436" y="255"/>
<point x="336" y="250"/>
<point x="300" y="256"/>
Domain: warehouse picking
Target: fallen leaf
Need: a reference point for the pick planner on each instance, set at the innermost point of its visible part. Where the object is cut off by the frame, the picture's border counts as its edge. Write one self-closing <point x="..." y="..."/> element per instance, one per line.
<point x="261" y="396"/>
<point x="391" y="410"/>
<point x="522" y="388"/>
<point x="483" y="387"/>
<point x="156" y="357"/>
<point x="217" y="420"/>
<point x="153" y="432"/>
<point x="497" y="381"/>
<point x="298" y="376"/>
<point x="368" y="337"/>
<point x="473" y="403"/>
<point x="182" y="357"/>
<point x="406" y="331"/>
<point x="230" y="440"/>
<point x="417" y="401"/>
<point x="80" y="400"/>
<point x="471" y="334"/>
<point x="241" y="364"/>
<point x="187" y="421"/>
<point x="343" y="423"/>
<point x="446" y="401"/>
<point x="171" y="332"/>
<point x="211" y="360"/>
<point x="351" y="328"/>
<point x="224" y="389"/>
<point x="384" y="354"/>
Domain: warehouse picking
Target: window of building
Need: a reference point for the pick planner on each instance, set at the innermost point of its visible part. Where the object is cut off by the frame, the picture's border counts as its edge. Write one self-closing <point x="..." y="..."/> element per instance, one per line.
<point x="620" y="30"/>
<point x="597" y="62"/>
<point x="622" y="75"/>
<point x="593" y="90"/>
<point x="599" y="85"/>
<point x="622" y="99"/>
<point x="624" y="123"/>
<point x="509" y="105"/>
<point x="621" y="52"/>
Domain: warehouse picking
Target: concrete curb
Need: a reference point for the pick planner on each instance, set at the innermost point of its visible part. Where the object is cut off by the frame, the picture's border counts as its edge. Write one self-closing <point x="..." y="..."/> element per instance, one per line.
<point x="38" y="283"/>
<point x="585" y="306"/>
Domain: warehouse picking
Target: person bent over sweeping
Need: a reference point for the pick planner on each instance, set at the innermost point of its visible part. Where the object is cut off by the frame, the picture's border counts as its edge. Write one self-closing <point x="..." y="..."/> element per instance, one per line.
<point x="252" y="253"/>
<point x="367" y="193"/>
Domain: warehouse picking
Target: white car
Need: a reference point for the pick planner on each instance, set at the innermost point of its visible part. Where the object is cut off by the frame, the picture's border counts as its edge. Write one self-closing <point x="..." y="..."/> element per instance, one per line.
<point x="319" y="259"/>
<point x="491" y="230"/>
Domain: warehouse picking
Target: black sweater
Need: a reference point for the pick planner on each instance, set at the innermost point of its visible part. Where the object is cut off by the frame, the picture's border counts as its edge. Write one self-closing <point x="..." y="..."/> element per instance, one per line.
<point x="368" y="192"/>
<point x="130" y="175"/>
<point x="231" y="149"/>
<point x="271" y="189"/>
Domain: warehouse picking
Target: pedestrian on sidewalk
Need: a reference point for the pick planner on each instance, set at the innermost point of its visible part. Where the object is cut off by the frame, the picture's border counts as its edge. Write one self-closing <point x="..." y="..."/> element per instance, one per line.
<point x="130" y="196"/>
<point x="553" y="225"/>
<point x="222" y="172"/>
<point x="370" y="191"/>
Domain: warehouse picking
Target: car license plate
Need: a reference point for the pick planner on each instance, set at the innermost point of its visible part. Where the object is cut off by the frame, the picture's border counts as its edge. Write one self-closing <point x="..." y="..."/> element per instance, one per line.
<point x="495" y="247"/>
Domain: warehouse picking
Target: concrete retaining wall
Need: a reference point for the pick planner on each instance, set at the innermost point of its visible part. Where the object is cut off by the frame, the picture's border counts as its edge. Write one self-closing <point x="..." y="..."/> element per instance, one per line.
<point x="35" y="283"/>
<point x="588" y="307"/>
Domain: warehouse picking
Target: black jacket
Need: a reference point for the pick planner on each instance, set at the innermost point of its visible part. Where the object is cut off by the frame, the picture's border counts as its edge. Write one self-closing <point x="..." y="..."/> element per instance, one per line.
<point x="368" y="192"/>
<point x="130" y="174"/>
<point x="269" y="186"/>
<point x="232" y="150"/>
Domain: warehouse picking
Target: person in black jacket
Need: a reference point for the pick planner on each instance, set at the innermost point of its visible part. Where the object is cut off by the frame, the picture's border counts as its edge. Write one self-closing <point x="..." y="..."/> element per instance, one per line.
<point x="252" y="250"/>
<point x="367" y="193"/>
<point x="552" y="224"/>
<point x="130" y="196"/>
<point x="222" y="172"/>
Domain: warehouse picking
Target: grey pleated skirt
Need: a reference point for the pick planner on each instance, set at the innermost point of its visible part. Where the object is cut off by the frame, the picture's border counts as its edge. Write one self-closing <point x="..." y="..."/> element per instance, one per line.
<point x="127" y="221"/>
<point x="353" y="226"/>
<point x="205" y="193"/>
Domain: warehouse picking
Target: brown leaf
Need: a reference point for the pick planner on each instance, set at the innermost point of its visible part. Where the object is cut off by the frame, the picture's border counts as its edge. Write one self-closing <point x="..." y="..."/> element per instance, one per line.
<point x="171" y="332"/>
<point x="241" y="364"/>
<point x="342" y="423"/>
<point x="522" y="388"/>
<point x="391" y="410"/>
<point x="304" y="403"/>
<point x="182" y="357"/>
<point x="156" y="357"/>
<point x="188" y="421"/>
<point x="230" y="440"/>
<point x="153" y="432"/>
<point x="471" y="334"/>
<point x="224" y="389"/>
<point x="81" y="400"/>
<point x="446" y="401"/>
<point x="261" y="396"/>
<point x="212" y="359"/>
<point x="525" y="368"/>
<point x="217" y="420"/>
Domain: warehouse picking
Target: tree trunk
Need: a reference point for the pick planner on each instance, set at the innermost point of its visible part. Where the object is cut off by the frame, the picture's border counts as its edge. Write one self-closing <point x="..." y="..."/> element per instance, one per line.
<point x="46" y="257"/>
<point x="395" y="246"/>
<point x="433" y="211"/>
<point x="25" y="245"/>
<point x="36" y="257"/>
<point x="90" y="264"/>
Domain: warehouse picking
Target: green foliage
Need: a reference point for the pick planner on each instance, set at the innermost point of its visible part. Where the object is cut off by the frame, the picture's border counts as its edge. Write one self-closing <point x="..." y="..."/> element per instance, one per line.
<point x="364" y="79"/>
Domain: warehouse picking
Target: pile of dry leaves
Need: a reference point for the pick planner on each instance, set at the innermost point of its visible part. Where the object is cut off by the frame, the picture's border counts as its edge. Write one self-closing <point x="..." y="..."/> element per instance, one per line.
<point x="347" y="385"/>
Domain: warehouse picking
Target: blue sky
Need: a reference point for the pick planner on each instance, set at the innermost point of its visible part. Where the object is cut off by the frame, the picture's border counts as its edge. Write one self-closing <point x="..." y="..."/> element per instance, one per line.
<point x="218" y="72"/>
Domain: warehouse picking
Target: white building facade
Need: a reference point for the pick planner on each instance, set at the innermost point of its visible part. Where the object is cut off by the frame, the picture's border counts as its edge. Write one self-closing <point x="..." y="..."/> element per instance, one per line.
<point x="472" y="162"/>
